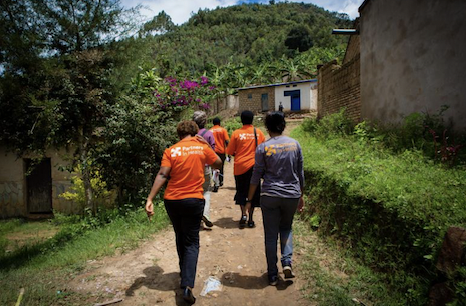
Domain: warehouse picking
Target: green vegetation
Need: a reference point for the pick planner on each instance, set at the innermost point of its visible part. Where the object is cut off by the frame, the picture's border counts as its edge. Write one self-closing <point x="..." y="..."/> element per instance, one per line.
<point x="42" y="267"/>
<point x="392" y="206"/>
<point x="334" y="278"/>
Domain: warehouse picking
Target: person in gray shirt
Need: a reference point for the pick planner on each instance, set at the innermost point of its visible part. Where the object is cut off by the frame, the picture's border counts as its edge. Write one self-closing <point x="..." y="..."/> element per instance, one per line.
<point x="279" y="162"/>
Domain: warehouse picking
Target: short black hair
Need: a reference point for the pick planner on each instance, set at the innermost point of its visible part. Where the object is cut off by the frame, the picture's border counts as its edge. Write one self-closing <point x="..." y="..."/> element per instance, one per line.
<point x="247" y="117"/>
<point x="275" y="122"/>
<point x="216" y="121"/>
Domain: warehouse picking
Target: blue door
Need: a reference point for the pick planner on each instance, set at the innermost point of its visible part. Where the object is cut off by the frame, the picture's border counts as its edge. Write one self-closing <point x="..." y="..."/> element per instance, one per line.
<point x="295" y="103"/>
<point x="295" y="99"/>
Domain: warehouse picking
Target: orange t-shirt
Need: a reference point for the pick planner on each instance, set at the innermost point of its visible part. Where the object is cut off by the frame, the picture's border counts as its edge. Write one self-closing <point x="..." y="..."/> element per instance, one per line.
<point x="220" y="135"/>
<point x="243" y="147"/>
<point x="187" y="160"/>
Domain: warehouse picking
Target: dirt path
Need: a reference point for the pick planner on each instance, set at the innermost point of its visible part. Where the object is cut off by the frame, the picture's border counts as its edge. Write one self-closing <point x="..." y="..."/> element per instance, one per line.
<point x="149" y="275"/>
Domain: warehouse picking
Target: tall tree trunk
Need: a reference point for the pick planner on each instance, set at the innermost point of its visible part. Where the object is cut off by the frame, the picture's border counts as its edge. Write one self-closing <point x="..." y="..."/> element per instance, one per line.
<point x="86" y="174"/>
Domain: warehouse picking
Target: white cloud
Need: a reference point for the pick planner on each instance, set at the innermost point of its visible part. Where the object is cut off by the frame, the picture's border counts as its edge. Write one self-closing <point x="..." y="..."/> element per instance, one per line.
<point x="180" y="10"/>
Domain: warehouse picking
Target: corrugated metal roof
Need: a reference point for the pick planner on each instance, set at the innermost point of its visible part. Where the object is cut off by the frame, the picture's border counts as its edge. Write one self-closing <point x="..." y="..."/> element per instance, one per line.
<point x="279" y="84"/>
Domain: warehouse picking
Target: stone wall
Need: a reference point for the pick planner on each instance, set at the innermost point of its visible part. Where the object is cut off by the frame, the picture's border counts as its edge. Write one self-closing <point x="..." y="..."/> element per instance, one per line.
<point x="250" y="99"/>
<point x="338" y="87"/>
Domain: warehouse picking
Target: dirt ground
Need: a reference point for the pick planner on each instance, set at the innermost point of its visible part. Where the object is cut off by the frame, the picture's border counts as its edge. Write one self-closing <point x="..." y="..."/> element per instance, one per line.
<point x="149" y="275"/>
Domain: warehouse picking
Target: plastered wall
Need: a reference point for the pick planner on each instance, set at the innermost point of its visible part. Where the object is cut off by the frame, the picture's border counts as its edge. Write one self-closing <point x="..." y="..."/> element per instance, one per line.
<point x="13" y="189"/>
<point x="413" y="59"/>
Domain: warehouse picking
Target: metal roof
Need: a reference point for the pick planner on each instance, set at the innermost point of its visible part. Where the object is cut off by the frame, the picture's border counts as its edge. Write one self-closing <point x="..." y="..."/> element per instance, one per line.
<point x="279" y="84"/>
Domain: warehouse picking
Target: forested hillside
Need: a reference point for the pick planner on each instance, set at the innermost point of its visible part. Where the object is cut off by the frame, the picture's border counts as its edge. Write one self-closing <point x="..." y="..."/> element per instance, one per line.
<point x="73" y="76"/>
<point x="256" y="43"/>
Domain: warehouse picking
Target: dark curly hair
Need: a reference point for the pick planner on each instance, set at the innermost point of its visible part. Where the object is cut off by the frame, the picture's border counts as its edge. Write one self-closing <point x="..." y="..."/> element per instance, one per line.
<point x="185" y="128"/>
<point x="275" y="122"/>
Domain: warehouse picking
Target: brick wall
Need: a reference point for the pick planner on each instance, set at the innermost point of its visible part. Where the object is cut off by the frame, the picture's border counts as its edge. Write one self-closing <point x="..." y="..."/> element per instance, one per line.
<point x="339" y="86"/>
<point x="254" y="103"/>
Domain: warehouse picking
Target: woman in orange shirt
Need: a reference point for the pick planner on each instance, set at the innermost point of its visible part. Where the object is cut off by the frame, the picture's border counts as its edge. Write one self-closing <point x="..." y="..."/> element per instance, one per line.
<point x="243" y="144"/>
<point x="184" y="164"/>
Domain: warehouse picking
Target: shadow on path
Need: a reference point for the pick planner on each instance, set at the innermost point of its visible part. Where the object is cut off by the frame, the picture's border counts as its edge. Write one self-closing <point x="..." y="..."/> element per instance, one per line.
<point x="234" y="279"/>
<point x="155" y="279"/>
<point x="227" y="223"/>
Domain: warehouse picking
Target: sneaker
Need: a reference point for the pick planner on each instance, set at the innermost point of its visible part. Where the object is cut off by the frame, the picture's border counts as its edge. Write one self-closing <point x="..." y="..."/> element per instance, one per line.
<point x="242" y="222"/>
<point x="251" y="224"/>
<point x="273" y="280"/>
<point x="207" y="222"/>
<point x="215" y="189"/>
<point x="288" y="271"/>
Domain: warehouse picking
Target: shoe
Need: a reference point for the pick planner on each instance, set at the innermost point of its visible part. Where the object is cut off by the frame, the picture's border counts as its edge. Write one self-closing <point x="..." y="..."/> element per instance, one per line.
<point x="221" y="184"/>
<point x="207" y="222"/>
<point x="242" y="222"/>
<point x="215" y="189"/>
<point x="273" y="280"/>
<point x="251" y="224"/>
<point x="188" y="296"/>
<point x="288" y="271"/>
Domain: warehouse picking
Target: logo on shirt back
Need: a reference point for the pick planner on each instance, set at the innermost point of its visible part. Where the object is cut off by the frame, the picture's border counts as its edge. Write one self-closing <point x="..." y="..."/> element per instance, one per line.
<point x="185" y="151"/>
<point x="280" y="148"/>
<point x="245" y="136"/>
<point x="176" y="152"/>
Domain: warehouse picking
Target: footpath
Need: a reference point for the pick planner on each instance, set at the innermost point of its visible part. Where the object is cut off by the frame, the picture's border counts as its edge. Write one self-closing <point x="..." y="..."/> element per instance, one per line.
<point x="229" y="256"/>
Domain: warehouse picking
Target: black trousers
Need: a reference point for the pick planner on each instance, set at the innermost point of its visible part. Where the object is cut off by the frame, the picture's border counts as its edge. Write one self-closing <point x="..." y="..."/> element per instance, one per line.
<point x="222" y="157"/>
<point x="186" y="216"/>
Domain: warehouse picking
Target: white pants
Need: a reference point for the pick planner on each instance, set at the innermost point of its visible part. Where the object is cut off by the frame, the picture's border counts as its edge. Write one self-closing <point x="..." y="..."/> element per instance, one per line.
<point x="207" y="186"/>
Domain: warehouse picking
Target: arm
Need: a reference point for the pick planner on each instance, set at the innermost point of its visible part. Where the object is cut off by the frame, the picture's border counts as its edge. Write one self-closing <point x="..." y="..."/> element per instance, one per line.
<point x="217" y="164"/>
<point x="257" y="174"/>
<point x="301" y="179"/>
<point x="159" y="181"/>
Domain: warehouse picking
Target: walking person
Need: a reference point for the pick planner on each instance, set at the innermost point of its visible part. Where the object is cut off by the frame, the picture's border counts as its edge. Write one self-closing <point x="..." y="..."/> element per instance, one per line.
<point x="279" y="162"/>
<point x="242" y="146"/>
<point x="221" y="142"/>
<point x="184" y="164"/>
<point x="200" y="117"/>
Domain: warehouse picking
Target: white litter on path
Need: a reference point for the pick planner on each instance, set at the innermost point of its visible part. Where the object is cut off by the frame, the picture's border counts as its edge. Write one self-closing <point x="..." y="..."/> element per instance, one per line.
<point x="211" y="284"/>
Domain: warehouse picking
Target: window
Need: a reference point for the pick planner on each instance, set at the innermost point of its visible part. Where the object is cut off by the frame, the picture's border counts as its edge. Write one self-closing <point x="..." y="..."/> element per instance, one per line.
<point x="249" y="96"/>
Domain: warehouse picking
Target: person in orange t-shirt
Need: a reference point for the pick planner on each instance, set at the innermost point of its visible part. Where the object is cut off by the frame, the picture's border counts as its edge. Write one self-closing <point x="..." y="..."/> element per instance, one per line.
<point x="184" y="164"/>
<point x="243" y="144"/>
<point x="221" y="142"/>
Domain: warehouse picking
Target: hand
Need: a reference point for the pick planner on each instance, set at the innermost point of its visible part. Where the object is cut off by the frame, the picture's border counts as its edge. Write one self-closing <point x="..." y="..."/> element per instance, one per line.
<point x="248" y="207"/>
<point x="301" y="204"/>
<point x="149" y="209"/>
<point x="202" y="139"/>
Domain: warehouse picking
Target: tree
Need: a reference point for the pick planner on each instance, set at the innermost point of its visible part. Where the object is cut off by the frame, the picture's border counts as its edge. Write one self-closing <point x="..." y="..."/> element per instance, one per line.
<point x="299" y="38"/>
<point x="160" y="24"/>
<point x="64" y="92"/>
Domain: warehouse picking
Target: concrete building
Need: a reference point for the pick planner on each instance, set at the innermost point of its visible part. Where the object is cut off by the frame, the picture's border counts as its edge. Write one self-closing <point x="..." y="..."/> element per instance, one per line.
<point x="412" y="58"/>
<point x="294" y="96"/>
<point x="29" y="188"/>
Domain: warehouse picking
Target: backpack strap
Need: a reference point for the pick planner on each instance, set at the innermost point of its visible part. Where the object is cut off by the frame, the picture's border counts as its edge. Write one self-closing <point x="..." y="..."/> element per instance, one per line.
<point x="205" y="131"/>
<point x="255" y="136"/>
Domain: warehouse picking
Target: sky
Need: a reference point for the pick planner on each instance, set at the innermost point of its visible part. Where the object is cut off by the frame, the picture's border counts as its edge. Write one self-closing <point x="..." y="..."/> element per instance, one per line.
<point x="180" y="10"/>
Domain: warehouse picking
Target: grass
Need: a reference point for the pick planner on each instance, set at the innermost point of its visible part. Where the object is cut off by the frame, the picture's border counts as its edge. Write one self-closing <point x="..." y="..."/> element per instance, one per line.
<point x="391" y="208"/>
<point x="334" y="277"/>
<point x="43" y="267"/>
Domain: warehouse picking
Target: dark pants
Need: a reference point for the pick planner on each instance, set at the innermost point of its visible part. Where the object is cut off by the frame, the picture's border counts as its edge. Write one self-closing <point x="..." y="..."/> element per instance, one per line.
<point x="242" y="189"/>
<point x="186" y="216"/>
<point x="222" y="157"/>
<point x="277" y="216"/>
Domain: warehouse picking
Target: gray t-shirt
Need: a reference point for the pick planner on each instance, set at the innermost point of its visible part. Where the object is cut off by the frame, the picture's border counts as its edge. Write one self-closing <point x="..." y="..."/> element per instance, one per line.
<point x="279" y="161"/>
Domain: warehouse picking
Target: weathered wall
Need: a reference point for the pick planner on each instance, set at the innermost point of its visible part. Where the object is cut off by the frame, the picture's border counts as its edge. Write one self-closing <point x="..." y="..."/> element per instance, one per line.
<point x="338" y="87"/>
<point x="254" y="103"/>
<point x="228" y="102"/>
<point x="413" y="59"/>
<point x="13" y="189"/>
